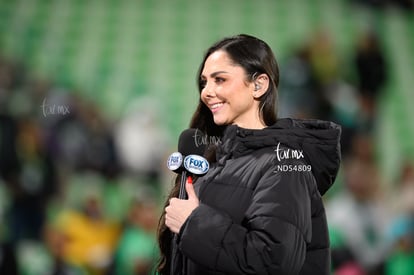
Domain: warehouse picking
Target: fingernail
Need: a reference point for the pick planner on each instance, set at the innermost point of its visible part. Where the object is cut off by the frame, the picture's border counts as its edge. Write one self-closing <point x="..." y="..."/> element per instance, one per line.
<point x="190" y="180"/>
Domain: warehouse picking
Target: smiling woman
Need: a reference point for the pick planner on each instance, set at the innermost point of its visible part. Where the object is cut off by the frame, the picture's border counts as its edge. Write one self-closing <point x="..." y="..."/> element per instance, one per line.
<point x="230" y="98"/>
<point x="259" y="209"/>
<point x="249" y="68"/>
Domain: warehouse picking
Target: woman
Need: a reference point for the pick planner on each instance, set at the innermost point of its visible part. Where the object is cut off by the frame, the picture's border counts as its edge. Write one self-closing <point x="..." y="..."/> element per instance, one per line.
<point x="258" y="210"/>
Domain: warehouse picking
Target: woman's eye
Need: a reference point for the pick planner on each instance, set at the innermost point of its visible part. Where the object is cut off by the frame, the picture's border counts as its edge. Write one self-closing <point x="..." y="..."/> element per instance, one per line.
<point x="219" y="80"/>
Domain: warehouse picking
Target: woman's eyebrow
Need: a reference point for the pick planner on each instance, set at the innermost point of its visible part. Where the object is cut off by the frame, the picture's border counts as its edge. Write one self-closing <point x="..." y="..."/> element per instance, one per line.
<point x="212" y="75"/>
<point x="217" y="73"/>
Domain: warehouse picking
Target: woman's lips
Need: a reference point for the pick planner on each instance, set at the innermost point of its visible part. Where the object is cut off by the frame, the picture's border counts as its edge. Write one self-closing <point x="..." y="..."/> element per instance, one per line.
<point x="216" y="106"/>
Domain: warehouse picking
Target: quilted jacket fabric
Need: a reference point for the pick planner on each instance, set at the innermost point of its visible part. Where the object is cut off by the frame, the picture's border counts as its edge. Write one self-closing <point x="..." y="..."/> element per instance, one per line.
<point x="261" y="209"/>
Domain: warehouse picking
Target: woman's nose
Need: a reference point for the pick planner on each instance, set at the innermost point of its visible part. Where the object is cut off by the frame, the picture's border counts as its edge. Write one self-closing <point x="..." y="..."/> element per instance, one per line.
<point x="208" y="90"/>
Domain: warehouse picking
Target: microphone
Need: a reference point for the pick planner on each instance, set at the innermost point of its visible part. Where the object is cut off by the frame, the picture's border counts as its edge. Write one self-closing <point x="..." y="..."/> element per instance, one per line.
<point x="188" y="159"/>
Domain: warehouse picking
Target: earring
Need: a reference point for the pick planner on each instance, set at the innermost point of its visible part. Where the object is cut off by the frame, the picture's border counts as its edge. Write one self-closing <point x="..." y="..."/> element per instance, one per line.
<point x="256" y="87"/>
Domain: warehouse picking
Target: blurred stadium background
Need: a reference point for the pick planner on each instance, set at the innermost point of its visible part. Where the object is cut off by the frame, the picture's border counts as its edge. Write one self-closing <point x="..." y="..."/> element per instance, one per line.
<point x="93" y="96"/>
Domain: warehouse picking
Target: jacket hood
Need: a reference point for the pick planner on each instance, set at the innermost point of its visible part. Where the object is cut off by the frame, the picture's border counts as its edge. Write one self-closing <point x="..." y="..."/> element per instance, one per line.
<point x="318" y="140"/>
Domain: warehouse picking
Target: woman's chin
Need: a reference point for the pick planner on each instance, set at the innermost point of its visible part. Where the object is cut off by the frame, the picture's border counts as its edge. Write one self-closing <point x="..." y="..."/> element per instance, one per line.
<point x="220" y="122"/>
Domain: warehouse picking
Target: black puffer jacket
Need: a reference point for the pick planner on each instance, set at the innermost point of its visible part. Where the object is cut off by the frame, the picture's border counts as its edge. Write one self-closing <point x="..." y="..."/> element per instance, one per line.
<point x="260" y="208"/>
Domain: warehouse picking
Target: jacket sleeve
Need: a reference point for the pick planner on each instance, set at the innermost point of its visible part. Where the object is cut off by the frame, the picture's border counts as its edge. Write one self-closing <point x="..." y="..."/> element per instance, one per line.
<point x="272" y="238"/>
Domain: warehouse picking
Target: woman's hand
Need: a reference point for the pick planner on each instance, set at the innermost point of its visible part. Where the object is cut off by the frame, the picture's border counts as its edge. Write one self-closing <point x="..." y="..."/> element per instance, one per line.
<point x="177" y="212"/>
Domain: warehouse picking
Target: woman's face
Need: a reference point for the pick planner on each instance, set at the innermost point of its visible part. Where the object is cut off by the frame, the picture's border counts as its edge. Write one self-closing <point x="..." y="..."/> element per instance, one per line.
<point x="227" y="93"/>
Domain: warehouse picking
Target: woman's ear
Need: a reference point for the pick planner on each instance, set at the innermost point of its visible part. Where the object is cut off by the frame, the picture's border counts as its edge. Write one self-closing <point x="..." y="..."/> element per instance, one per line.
<point x="261" y="84"/>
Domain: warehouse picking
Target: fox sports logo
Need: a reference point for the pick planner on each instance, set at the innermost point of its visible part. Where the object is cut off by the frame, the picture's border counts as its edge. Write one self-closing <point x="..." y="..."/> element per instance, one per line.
<point x="174" y="161"/>
<point x="196" y="165"/>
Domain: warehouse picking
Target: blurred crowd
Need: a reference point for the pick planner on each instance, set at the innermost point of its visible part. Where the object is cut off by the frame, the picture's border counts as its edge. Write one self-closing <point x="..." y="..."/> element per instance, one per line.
<point x="371" y="221"/>
<point x="81" y="193"/>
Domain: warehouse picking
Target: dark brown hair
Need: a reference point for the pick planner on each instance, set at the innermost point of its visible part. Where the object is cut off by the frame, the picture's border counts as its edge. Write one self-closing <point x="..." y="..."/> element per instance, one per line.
<point x="256" y="58"/>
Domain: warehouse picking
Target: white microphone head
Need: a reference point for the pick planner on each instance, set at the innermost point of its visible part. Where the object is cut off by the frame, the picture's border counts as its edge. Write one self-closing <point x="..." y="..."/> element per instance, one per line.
<point x="174" y="161"/>
<point x="196" y="164"/>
